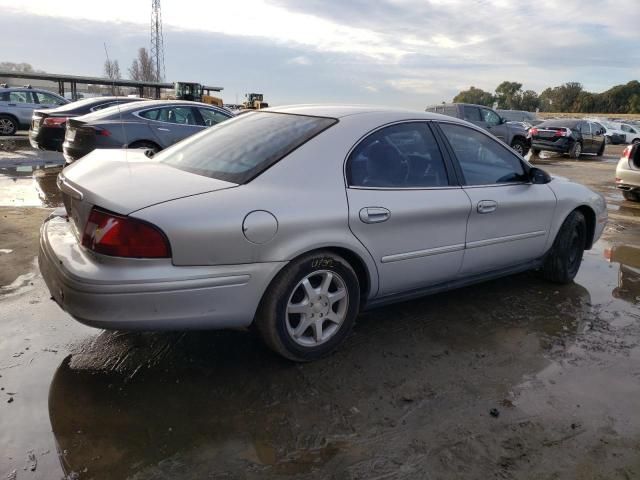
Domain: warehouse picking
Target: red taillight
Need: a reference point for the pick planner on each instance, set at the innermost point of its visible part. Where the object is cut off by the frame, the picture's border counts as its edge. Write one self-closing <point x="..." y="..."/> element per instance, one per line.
<point x="119" y="236"/>
<point x="533" y="131"/>
<point x="626" y="154"/>
<point x="54" y="122"/>
<point x="103" y="132"/>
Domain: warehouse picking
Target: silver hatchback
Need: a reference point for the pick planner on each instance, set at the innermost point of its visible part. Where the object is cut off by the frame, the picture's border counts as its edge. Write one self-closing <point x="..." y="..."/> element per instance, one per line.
<point x="17" y="106"/>
<point x="295" y="219"/>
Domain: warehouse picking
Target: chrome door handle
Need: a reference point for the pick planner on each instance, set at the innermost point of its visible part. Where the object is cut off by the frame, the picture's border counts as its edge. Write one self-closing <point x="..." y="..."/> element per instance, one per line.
<point x="163" y="129"/>
<point x="374" y="214"/>
<point x="487" y="206"/>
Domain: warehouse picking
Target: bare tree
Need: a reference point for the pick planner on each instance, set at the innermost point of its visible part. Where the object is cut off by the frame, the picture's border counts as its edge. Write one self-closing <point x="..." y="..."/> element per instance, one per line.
<point x="142" y="69"/>
<point x="112" y="72"/>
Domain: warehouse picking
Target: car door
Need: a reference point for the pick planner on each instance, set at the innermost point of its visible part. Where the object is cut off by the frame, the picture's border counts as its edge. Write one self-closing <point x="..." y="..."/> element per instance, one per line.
<point x="405" y="208"/>
<point x="597" y="135"/>
<point x="173" y="123"/>
<point x="587" y="138"/>
<point x="22" y="104"/>
<point x="510" y="217"/>
<point x="493" y="123"/>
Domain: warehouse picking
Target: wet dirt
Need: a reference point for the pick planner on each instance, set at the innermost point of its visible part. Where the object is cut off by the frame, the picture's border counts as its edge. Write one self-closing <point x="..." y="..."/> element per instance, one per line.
<point x="515" y="378"/>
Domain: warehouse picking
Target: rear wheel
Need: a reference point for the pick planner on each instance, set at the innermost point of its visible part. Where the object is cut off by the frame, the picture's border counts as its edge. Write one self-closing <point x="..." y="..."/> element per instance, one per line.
<point x="520" y="147"/>
<point x="310" y="307"/>
<point x="563" y="260"/>
<point x="8" y="125"/>
<point x="576" y="150"/>
<point x="631" y="195"/>
<point x="601" y="149"/>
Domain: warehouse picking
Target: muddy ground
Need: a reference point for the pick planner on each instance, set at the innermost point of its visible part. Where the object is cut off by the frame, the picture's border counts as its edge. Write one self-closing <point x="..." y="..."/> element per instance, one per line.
<point x="514" y="378"/>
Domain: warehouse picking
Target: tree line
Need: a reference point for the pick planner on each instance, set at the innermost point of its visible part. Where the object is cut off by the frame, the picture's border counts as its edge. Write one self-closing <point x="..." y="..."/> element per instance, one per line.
<point x="568" y="97"/>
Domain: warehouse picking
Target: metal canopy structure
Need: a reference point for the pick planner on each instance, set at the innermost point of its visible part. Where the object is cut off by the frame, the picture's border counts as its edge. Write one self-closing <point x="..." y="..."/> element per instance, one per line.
<point x="73" y="81"/>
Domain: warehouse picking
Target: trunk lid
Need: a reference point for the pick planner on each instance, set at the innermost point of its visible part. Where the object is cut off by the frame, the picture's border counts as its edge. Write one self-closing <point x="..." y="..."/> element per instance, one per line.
<point x="123" y="181"/>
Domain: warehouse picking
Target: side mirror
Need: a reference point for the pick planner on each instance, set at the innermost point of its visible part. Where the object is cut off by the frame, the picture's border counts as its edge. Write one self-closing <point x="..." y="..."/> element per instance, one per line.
<point x="503" y="120"/>
<point x="538" y="176"/>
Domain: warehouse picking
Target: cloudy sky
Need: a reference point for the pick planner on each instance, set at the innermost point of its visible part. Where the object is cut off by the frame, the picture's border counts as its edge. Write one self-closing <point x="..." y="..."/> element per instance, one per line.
<point x="406" y="53"/>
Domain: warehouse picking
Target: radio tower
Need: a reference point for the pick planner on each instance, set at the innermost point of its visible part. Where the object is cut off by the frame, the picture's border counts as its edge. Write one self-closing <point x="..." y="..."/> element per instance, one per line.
<point x="157" y="42"/>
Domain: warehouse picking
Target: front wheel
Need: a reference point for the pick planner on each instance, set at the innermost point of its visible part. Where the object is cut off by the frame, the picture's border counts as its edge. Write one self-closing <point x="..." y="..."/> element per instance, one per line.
<point x="310" y="307"/>
<point x="563" y="260"/>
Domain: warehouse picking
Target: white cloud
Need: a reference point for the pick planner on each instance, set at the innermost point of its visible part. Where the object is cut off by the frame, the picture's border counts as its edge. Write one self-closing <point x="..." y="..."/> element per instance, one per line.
<point x="299" y="60"/>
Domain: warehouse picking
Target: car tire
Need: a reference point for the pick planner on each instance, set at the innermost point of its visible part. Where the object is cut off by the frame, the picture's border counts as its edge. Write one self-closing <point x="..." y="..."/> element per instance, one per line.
<point x="576" y="150"/>
<point x="563" y="260"/>
<point x="535" y="151"/>
<point x="8" y="125"/>
<point x="297" y="309"/>
<point x="631" y="195"/>
<point x="150" y="148"/>
<point x="520" y="147"/>
<point x="635" y="141"/>
<point x="601" y="150"/>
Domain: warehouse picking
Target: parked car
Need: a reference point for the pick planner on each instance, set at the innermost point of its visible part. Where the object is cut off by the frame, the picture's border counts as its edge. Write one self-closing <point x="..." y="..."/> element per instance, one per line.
<point x="530" y="118"/>
<point x="628" y="173"/>
<point x="612" y="136"/>
<point x="48" y="126"/>
<point x="18" y="103"/>
<point x="151" y="125"/>
<point x="294" y="219"/>
<point x="513" y="134"/>
<point x="568" y="136"/>
<point x="632" y="133"/>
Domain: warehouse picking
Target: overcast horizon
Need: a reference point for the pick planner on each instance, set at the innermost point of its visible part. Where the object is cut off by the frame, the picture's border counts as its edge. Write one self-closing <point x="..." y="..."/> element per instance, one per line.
<point x="406" y="53"/>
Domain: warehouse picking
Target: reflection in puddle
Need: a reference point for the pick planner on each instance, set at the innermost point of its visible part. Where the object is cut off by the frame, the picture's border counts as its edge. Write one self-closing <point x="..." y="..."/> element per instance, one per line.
<point x="628" y="257"/>
<point x="199" y="404"/>
<point x="28" y="186"/>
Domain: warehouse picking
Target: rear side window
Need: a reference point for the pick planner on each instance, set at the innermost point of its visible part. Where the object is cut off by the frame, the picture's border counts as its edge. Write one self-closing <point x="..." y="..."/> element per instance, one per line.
<point x="241" y="148"/>
<point x="482" y="159"/>
<point x="212" y="117"/>
<point x="472" y="114"/>
<point x="399" y="156"/>
<point x="179" y="115"/>
<point x="48" y="99"/>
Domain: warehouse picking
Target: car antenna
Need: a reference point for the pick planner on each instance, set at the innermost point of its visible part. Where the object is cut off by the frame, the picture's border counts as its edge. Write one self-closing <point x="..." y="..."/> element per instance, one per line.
<point x="124" y="133"/>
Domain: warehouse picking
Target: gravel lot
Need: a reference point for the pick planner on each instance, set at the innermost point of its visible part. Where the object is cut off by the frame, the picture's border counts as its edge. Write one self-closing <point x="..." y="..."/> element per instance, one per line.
<point x="515" y="378"/>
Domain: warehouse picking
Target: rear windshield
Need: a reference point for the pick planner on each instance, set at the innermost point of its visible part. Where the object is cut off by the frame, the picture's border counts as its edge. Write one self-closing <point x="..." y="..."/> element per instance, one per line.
<point x="240" y="149"/>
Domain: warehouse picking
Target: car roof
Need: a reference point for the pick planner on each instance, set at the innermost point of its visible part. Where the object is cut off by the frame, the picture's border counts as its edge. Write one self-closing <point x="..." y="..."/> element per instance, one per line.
<point x="339" y="111"/>
<point x="562" y="122"/>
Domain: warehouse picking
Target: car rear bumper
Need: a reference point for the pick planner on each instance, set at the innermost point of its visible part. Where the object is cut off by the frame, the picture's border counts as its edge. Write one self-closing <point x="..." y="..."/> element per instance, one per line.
<point x="47" y="138"/>
<point x="140" y="294"/>
<point x="627" y="179"/>
<point x="561" y="145"/>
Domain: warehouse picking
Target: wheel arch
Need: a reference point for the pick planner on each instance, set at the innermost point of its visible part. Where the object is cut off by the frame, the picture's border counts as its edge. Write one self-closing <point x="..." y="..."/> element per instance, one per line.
<point x="590" y="218"/>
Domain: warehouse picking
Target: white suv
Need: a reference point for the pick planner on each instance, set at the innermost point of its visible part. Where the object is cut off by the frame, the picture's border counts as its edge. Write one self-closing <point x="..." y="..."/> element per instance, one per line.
<point x="17" y="106"/>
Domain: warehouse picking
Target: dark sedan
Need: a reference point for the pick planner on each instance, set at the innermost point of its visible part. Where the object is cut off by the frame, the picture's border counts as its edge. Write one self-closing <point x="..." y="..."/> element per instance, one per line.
<point x="152" y="125"/>
<point x="569" y="136"/>
<point x="48" y="126"/>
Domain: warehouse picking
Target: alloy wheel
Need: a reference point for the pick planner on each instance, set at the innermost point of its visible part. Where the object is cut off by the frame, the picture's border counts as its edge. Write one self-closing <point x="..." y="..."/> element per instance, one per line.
<point x="6" y="126"/>
<point x="317" y="308"/>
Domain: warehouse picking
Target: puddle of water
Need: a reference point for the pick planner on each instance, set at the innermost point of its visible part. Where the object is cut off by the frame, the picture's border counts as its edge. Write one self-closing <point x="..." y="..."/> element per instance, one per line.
<point x="627" y="258"/>
<point x="28" y="186"/>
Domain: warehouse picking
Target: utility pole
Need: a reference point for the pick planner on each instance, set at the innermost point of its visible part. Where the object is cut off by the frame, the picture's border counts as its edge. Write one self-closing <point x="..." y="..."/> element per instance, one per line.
<point x="157" y="41"/>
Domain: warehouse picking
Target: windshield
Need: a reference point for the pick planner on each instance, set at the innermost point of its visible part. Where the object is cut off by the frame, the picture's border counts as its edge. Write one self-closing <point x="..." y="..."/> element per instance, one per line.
<point x="240" y="149"/>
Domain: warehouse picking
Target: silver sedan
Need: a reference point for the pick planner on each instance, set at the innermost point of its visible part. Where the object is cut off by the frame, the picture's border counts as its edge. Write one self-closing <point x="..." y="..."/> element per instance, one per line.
<point x="295" y="219"/>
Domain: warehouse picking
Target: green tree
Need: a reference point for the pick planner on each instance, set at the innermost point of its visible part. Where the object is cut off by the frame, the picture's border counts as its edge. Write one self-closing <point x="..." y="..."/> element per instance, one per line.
<point x="529" y="101"/>
<point x="475" y="95"/>
<point x="509" y="95"/>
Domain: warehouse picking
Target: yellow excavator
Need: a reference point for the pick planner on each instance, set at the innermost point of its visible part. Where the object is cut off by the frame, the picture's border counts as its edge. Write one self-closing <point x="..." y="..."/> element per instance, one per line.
<point x="194" y="92"/>
<point x="254" y="101"/>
